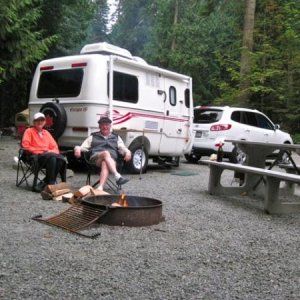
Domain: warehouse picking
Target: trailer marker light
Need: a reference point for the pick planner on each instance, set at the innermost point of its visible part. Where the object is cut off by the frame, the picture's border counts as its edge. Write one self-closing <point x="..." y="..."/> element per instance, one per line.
<point x="78" y="65"/>
<point x="46" y="68"/>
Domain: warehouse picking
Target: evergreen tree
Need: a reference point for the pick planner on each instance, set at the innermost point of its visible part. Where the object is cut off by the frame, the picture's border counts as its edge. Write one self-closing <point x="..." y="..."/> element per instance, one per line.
<point x="247" y="48"/>
<point x="191" y="37"/>
<point x="133" y="24"/>
<point x="99" y="26"/>
<point x="69" y="21"/>
<point x="21" y="46"/>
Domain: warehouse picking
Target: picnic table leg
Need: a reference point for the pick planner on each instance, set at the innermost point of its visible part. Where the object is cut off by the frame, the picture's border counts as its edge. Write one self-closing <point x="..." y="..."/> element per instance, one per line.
<point x="214" y="183"/>
<point x="290" y="186"/>
<point x="271" y="202"/>
<point x="216" y="188"/>
<point x="273" y="205"/>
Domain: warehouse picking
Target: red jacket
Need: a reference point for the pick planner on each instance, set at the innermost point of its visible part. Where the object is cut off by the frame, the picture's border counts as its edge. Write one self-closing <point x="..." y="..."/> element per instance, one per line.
<point x="38" y="143"/>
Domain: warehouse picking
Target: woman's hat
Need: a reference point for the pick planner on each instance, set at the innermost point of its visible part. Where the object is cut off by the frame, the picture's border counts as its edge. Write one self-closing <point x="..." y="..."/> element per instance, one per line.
<point x="38" y="115"/>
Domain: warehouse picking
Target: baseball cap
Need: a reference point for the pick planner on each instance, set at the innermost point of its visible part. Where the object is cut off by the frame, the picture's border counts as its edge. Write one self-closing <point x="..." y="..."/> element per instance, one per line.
<point x="38" y="115"/>
<point x="104" y="120"/>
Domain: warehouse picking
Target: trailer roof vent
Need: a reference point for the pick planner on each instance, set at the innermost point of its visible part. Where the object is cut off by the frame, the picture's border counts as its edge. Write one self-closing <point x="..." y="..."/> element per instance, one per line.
<point x="105" y="48"/>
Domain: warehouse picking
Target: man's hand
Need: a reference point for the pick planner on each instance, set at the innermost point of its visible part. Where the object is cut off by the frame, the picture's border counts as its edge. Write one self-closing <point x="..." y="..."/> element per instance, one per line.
<point x="127" y="156"/>
<point x="77" y="151"/>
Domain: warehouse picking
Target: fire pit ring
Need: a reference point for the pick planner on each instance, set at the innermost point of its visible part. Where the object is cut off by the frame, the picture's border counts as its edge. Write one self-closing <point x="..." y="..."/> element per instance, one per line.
<point x="141" y="211"/>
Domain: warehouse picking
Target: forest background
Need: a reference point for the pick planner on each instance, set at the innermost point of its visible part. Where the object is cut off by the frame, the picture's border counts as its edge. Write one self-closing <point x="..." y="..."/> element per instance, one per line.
<point x="239" y="52"/>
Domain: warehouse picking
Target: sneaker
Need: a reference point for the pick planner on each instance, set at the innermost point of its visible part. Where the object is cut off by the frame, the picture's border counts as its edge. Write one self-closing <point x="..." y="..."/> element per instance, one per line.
<point x="122" y="180"/>
<point x="39" y="187"/>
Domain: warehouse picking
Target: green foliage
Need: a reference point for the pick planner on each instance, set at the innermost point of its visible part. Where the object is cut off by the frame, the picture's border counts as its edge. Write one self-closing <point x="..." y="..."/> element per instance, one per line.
<point x="98" y="27"/>
<point x="203" y="30"/>
<point x="275" y="64"/>
<point x="200" y="38"/>
<point x="69" y="22"/>
<point x="133" y="25"/>
<point x="296" y="138"/>
<point x="21" y="45"/>
<point x="32" y="30"/>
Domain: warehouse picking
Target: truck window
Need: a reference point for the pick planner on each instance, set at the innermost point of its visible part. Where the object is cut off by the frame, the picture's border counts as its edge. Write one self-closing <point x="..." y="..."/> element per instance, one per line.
<point x="263" y="122"/>
<point x="187" y="98"/>
<point x="207" y="116"/>
<point x="125" y="87"/>
<point x="250" y="118"/>
<point x="172" y="95"/>
<point x="60" y="83"/>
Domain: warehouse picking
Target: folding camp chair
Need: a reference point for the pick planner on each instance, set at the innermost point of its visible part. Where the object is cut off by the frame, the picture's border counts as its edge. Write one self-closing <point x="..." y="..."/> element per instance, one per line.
<point x="92" y="169"/>
<point x="28" y="167"/>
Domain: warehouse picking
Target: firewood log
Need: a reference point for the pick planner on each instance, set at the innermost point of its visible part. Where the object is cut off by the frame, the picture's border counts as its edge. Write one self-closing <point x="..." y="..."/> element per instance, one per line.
<point x="60" y="192"/>
<point x="50" y="188"/>
<point x="95" y="192"/>
<point x="83" y="191"/>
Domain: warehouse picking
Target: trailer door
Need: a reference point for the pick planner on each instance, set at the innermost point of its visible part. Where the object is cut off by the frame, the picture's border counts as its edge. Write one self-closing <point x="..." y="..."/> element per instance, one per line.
<point x="172" y="130"/>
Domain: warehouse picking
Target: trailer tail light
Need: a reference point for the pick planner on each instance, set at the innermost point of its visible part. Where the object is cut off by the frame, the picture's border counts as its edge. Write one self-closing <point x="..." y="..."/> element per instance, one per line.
<point x="79" y="65"/>
<point x="46" y="68"/>
<point x="220" y="127"/>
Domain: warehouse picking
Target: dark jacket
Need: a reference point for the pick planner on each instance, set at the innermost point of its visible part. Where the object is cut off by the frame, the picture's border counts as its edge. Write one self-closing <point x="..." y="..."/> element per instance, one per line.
<point x="100" y="143"/>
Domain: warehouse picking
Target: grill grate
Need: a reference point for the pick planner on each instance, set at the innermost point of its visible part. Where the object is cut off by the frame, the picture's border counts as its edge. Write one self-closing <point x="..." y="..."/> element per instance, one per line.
<point x="75" y="218"/>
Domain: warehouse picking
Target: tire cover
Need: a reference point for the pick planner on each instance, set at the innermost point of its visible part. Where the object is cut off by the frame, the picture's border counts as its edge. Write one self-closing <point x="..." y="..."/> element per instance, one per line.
<point x="56" y="118"/>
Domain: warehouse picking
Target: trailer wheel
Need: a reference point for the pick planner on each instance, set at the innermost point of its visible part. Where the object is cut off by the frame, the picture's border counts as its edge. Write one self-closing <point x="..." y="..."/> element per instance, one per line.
<point x="177" y="161"/>
<point x="139" y="159"/>
<point x="192" y="158"/>
<point x="56" y="118"/>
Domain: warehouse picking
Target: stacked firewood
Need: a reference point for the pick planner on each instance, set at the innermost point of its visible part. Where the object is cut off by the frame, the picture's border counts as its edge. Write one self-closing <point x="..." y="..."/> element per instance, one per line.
<point x="62" y="192"/>
<point x="57" y="192"/>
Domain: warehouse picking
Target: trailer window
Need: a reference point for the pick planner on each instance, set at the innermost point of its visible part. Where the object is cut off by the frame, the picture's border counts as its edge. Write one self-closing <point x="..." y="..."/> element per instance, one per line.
<point x="60" y="83"/>
<point x="125" y="87"/>
<point x="172" y="95"/>
<point x="187" y="98"/>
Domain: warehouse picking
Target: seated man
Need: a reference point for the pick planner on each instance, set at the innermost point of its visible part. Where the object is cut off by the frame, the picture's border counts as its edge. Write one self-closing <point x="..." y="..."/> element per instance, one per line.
<point x="39" y="141"/>
<point x="104" y="146"/>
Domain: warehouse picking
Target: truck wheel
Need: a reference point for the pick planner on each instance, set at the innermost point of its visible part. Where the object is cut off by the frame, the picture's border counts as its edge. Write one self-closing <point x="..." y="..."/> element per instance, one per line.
<point x="238" y="156"/>
<point x="139" y="159"/>
<point x="56" y="118"/>
<point x="192" y="158"/>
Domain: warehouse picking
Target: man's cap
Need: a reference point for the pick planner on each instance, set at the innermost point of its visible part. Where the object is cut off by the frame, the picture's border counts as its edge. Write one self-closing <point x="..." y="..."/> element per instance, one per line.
<point x="38" y="115"/>
<point x="104" y="120"/>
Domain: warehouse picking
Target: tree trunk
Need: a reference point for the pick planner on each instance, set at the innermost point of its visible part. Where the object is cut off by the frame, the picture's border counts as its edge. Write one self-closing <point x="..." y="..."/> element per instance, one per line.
<point x="175" y="21"/>
<point x="247" y="48"/>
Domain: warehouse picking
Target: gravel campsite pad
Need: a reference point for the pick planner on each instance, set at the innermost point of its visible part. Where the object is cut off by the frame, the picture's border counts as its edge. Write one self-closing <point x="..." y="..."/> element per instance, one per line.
<point x="208" y="247"/>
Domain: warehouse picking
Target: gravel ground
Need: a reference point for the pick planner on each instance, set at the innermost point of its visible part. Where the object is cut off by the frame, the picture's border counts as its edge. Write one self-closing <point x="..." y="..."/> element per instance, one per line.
<point x="207" y="248"/>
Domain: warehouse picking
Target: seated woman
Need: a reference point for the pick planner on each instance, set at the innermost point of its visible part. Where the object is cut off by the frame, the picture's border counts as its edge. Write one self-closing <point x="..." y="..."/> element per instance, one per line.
<point x="37" y="140"/>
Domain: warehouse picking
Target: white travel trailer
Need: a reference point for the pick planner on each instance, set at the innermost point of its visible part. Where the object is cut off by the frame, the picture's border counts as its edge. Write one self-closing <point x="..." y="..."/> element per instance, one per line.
<point x="151" y="108"/>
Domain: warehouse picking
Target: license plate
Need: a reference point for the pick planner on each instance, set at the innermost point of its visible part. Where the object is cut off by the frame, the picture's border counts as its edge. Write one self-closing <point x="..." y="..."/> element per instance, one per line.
<point x="198" y="134"/>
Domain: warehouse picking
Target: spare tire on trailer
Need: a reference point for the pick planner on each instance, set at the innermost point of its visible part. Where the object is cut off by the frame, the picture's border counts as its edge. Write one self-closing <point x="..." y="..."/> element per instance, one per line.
<point x="56" y="118"/>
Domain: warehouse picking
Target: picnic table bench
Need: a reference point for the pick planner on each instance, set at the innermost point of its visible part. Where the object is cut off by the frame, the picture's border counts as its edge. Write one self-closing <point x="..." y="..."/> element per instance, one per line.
<point x="270" y="186"/>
